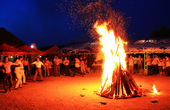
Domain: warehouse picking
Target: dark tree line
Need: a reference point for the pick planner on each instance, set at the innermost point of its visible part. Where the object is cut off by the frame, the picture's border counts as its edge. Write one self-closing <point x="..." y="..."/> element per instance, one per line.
<point x="162" y="32"/>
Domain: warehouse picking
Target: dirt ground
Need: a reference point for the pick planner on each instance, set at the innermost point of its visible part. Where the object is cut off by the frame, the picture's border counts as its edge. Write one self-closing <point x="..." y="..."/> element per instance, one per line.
<point x="78" y="93"/>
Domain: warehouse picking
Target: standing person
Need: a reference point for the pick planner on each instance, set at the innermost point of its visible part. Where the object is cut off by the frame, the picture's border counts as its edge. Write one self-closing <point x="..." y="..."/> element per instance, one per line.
<point x="22" y="70"/>
<point x="82" y="67"/>
<point x="26" y="65"/>
<point x="28" y="68"/>
<point x="167" y="60"/>
<point x="1" y="67"/>
<point x="131" y="64"/>
<point x="136" y="64"/>
<point x="85" y="64"/>
<point x="155" y="64"/>
<point x="149" y="64"/>
<point x="46" y="69"/>
<point x="164" y="67"/>
<point x="140" y="60"/>
<point x="50" y="67"/>
<point x="1" y="62"/>
<point x="18" y="76"/>
<point x="66" y="63"/>
<point x="7" y="74"/>
<point x="77" y="66"/>
<point x="61" y="66"/>
<point x="57" y="63"/>
<point x="160" y="65"/>
<point x="38" y="64"/>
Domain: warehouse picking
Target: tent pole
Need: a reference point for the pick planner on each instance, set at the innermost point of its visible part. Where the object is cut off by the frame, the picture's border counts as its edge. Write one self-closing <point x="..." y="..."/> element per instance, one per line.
<point x="145" y="65"/>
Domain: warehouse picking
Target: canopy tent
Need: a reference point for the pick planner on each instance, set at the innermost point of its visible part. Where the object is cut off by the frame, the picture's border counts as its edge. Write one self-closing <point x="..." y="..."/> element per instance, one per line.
<point x="88" y="47"/>
<point x="52" y="50"/>
<point x="148" y="46"/>
<point x="29" y="50"/>
<point x="6" y="49"/>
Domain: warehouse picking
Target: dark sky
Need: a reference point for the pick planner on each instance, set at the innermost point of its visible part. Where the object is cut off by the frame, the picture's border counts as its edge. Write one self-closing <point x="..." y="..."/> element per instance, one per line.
<point x="38" y="21"/>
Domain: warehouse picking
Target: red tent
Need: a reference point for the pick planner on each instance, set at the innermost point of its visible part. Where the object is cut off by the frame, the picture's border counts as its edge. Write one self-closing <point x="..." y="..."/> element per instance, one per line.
<point x="6" y="49"/>
<point x="29" y="50"/>
<point x="52" y="50"/>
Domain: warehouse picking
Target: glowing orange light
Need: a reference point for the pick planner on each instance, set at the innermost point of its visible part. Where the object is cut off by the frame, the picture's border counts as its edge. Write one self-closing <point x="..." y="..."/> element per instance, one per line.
<point x="154" y="89"/>
<point x="114" y="53"/>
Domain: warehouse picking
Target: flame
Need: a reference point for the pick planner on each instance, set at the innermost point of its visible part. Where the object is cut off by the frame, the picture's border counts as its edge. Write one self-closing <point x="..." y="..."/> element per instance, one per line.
<point x="154" y="89"/>
<point x="114" y="53"/>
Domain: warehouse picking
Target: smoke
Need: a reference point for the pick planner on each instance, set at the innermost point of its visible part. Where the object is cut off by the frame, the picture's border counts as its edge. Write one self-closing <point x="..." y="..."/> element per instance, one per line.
<point x="85" y="13"/>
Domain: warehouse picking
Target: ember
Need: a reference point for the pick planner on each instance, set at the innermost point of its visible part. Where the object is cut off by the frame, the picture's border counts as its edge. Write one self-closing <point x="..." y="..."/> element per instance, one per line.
<point x="116" y="81"/>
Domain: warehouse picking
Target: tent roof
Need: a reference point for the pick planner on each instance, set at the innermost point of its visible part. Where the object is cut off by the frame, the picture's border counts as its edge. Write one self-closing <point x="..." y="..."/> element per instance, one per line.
<point x="75" y="47"/>
<point x="10" y="39"/>
<point x="6" y="49"/>
<point x="149" y="45"/>
<point x="52" y="50"/>
<point x="27" y="49"/>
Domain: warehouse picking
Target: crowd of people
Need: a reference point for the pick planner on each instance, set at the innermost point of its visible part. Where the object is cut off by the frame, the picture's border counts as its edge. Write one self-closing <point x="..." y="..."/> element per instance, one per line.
<point x="18" y="71"/>
<point x="155" y="65"/>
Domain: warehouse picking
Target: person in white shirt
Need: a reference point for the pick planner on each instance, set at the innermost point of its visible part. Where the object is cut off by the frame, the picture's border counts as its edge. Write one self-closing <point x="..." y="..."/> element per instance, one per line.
<point x="57" y="63"/>
<point x="22" y="70"/>
<point x="140" y="61"/>
<point x="155" y="64"/>
<point x="66" y="63"/>
<point x="26" y="65"/>
<point x="7" y="74"/>
<point x="82" y="66"/>
<point x="77" y="66"/>
<point x="160" y="65"/>
<point x="38" y="65"/>
<point x="131" y="64"/>
<point x="46" y="69"/>
<point x="18" y="76"/>
<point x="149" y="64"/>
<point x="50" y="67"/>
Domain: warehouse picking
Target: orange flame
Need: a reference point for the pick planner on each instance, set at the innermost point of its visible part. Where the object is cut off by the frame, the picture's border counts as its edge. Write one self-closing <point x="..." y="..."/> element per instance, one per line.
<point x="114" y="53"/>
<point x="154" y="89"/>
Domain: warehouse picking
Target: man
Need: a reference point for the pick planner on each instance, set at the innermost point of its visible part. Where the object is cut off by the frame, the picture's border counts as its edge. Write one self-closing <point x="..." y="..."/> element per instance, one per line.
<point x="38" y="64"/>
<point x="7" y="74"/>
<point x="167" y="60"/>
<point x="18" y="76"/>
<point x="77" y="66"/>
<point x="82" y="67"/>
<point x="131" y="64"/>
<point x="149" y="64"/>
<point x="136" y="64"/>
<point x="140" y="60"/>
<point x="50" y="67"/>
<point x="46" y="69"/>
<point x="22" y="70"/>
<point x="66" y="63"/>
<point x="85" y="64"/>
<point x="155" y="64"/>
<point x="26" y="65"/>
<point x="57" y="62"/>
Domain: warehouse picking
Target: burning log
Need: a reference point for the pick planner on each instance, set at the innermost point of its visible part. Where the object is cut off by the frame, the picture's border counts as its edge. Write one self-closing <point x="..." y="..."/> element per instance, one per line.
<point x="123" y="87"/>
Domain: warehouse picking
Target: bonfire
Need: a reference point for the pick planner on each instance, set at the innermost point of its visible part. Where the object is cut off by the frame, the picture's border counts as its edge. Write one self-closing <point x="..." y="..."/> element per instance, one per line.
<point x="117" y="82"/>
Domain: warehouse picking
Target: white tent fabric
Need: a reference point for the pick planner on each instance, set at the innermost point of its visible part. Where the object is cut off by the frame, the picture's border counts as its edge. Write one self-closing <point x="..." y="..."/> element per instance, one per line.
<point x="81" y="47"/>
<point x="149" y="45"/>
<point x="133" y="46"/>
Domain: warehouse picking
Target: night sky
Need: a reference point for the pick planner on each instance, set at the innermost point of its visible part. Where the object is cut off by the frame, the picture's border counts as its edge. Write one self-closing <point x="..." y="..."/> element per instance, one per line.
<point x="41" y="22"/>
